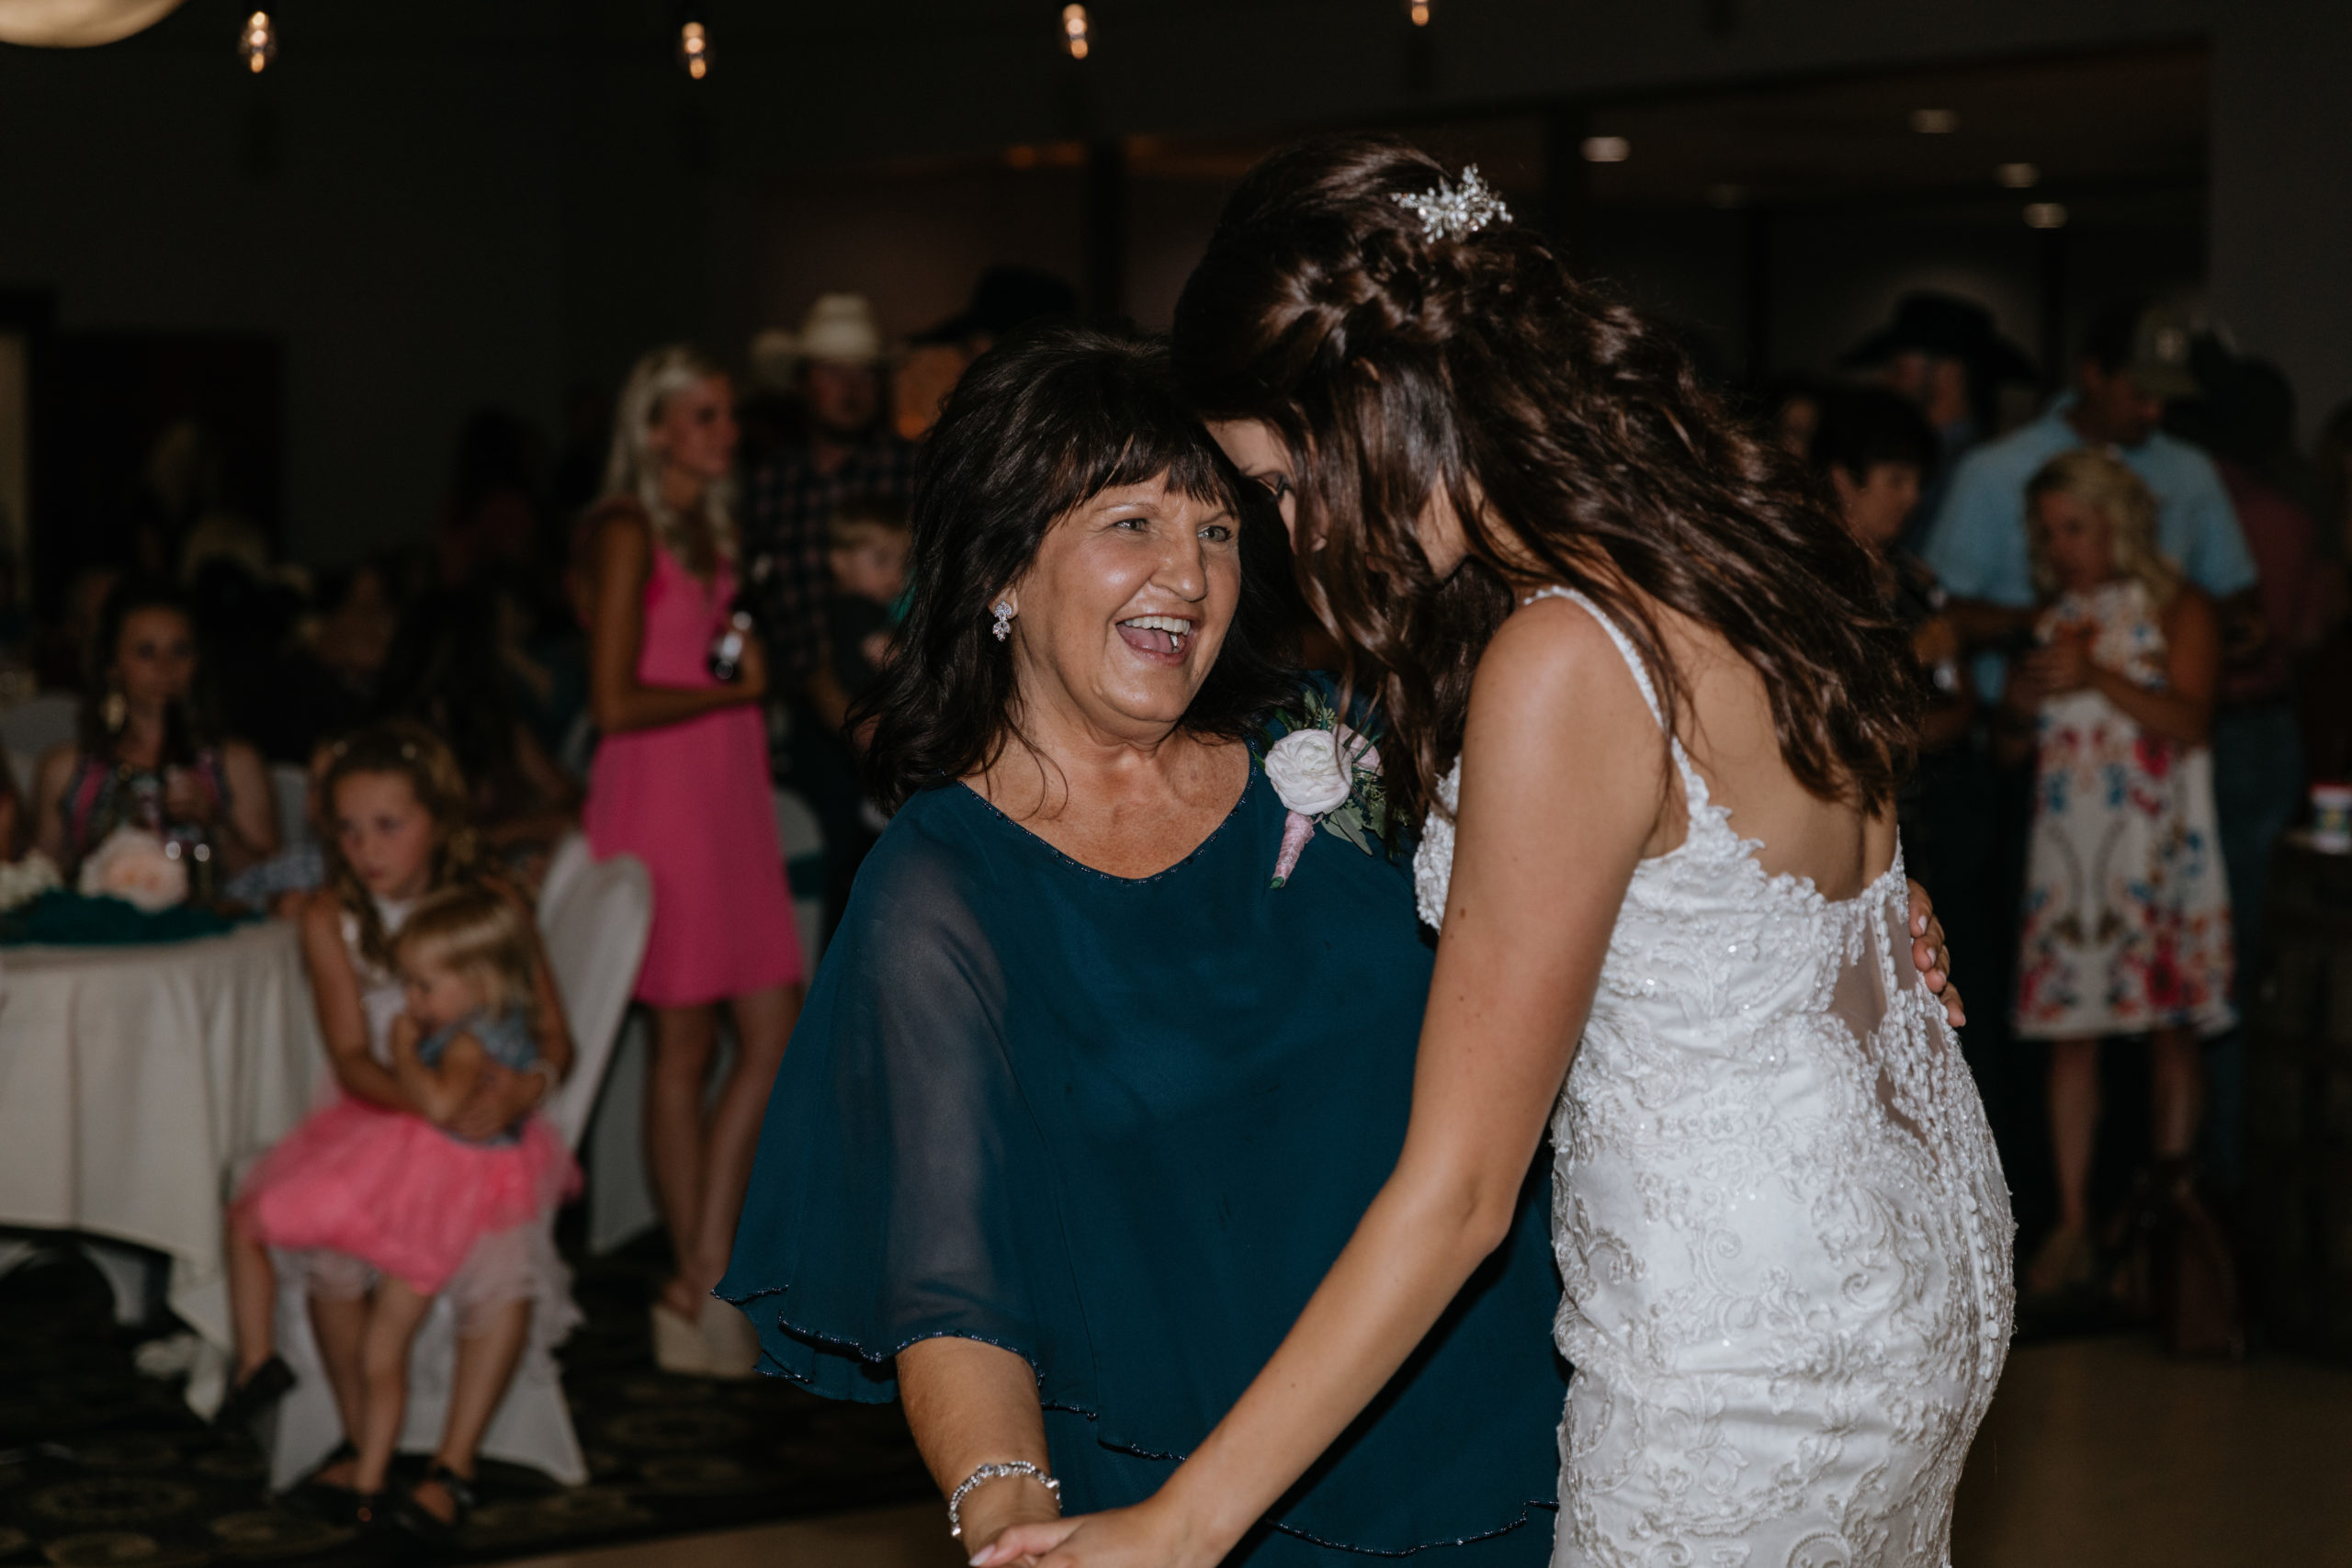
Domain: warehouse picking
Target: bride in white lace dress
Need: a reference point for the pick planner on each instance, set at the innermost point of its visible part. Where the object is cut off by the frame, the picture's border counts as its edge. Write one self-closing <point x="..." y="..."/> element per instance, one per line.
<point x="1670" y="897"/>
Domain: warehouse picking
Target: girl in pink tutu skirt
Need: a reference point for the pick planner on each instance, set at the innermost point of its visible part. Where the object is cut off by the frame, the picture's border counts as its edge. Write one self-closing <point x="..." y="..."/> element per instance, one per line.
<point x="428" y="1173"/>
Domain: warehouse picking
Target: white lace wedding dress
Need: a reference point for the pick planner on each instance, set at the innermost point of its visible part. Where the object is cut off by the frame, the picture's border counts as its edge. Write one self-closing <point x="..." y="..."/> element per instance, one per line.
<point x="1779" y="1217"/>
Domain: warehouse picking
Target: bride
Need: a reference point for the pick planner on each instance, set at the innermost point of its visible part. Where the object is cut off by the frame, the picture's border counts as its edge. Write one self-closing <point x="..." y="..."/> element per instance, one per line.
<point x="1655" y="727"/>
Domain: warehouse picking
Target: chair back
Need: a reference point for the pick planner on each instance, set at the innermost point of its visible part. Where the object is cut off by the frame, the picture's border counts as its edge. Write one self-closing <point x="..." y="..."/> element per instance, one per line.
<point x="572" y="856"/>
<point x="37" y="724"/>
<point x="595" y="935"/>
<point x="292" y="787"/>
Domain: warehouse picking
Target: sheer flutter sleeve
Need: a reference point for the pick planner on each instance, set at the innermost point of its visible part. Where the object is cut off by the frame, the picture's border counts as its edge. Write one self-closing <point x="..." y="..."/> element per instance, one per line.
<point x="902" y="1192"/>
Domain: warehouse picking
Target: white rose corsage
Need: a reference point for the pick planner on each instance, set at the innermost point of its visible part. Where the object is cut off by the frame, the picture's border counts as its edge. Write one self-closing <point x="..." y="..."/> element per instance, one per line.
<point x="1328" y="775"/>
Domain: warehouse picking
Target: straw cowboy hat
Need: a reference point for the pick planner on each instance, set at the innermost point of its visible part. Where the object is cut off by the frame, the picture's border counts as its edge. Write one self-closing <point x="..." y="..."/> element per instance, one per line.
<point x="840" y="328"/>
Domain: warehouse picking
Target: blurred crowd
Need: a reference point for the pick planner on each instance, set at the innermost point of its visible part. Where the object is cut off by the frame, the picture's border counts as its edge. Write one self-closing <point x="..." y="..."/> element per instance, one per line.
<point x="2129" y="614"/>
<point x="2129" y="609"/>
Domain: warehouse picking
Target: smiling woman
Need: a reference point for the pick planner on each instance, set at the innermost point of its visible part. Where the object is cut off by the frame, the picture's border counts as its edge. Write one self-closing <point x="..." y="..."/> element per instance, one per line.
<point x="1081" y="1104"/>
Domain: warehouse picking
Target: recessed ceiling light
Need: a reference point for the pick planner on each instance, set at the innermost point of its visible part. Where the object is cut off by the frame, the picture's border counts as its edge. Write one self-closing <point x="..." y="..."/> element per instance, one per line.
<point x="1935" y="122"/>
<point x="1728" y="196"/>
<point x="1607" y="149"/>
<point x="2018" y="176"/>
<point x="2045" y="215"/>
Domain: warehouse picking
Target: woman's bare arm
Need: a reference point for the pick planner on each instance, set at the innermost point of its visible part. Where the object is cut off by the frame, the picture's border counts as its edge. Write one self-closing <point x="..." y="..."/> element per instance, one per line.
<point x="1563" y="776"/>
<point x="616" y="698"/>
<point x="334" y="992"/>
<point x="970" y="1405"/>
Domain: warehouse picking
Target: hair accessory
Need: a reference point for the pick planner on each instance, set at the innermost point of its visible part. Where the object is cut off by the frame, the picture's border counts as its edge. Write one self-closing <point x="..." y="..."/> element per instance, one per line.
<point x="1457" y="210"/>
<point x="1003" y="627"/>
<point x="995" y="1472"/>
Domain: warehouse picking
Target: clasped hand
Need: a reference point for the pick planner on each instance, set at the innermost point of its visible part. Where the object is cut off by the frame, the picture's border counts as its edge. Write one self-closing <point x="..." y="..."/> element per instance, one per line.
<point x="501" y="1096"/>
<point x="1148" y="1534"/>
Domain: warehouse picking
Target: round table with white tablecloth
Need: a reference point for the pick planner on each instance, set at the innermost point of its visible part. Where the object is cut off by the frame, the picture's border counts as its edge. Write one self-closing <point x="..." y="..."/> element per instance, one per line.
<point x="136" y="1082"/>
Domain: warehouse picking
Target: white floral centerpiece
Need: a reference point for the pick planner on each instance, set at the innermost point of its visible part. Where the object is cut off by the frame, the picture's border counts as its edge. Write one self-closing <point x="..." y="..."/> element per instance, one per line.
<point x="139" y="868"/>
<point x="23" y="881"/>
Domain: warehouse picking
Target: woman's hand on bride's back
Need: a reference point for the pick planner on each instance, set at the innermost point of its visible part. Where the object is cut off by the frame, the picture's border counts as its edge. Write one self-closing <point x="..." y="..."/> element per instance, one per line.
<point x="1931" y="957"/>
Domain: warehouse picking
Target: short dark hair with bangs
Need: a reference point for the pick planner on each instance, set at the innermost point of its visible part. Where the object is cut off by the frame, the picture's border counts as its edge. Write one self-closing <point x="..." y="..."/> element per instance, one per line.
<point x="1038" y="426"/>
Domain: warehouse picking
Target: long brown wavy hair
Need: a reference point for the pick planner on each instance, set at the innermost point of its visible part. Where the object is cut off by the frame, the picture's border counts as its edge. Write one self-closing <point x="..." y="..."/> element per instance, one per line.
<point x="1569" y="433"/>
<point x="406" y="750"/>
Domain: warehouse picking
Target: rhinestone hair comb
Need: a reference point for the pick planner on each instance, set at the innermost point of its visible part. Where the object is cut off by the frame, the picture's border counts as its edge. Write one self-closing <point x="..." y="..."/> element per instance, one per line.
<point x="1457" y="208"/>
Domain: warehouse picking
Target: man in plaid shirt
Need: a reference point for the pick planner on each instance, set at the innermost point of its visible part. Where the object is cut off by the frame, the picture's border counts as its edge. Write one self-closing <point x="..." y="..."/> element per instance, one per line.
<point x="848" y="452"/>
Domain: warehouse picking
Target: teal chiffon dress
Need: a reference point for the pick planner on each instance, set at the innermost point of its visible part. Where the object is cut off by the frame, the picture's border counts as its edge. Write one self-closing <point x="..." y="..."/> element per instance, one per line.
<point x="1122" y="1127"/>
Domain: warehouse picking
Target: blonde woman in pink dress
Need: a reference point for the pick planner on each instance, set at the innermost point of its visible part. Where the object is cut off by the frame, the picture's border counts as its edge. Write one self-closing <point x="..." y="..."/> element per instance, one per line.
<point x="681" y="781"/>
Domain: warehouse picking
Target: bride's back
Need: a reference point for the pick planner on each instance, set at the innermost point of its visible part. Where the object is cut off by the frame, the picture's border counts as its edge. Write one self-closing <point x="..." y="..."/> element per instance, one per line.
<point x="1726" y="726"/>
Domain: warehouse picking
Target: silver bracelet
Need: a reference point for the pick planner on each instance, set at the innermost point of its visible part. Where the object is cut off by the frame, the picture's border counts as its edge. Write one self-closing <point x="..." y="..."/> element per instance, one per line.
<point x="988" y="1472"/>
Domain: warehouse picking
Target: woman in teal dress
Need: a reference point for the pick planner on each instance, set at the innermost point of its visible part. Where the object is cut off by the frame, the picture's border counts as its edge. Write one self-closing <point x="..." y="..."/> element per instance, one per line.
<point x="1083" y="1105"/>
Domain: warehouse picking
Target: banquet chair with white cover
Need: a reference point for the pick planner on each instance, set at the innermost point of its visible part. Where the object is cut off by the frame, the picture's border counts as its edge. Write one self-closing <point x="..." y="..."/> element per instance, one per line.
<point x="595" y="933"/>
<point x="38" y="723"/>
<point x="292" y="787"/>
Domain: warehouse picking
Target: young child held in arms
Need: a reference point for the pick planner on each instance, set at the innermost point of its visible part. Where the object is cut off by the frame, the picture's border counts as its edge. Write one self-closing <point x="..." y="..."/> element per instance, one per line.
<point x="429" y="1173"/>
<point x="870" y="540"/>
<point x="2127" y="917"/>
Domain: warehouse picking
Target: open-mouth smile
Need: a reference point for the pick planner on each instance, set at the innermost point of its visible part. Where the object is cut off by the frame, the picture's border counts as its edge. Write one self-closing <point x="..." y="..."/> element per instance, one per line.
<point x="1161" y="638"/>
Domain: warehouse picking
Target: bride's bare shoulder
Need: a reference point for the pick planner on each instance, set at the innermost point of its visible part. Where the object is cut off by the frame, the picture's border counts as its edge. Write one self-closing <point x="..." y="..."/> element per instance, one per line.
<point x="1556" y="655"/>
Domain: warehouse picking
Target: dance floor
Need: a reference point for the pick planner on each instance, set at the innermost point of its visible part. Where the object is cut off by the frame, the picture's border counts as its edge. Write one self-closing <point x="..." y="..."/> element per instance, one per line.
<point x="2100" y="1453"/>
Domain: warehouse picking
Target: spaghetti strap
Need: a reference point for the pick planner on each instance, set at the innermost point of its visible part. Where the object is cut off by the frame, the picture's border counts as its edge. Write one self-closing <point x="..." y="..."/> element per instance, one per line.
<point x="1694" y="788"/>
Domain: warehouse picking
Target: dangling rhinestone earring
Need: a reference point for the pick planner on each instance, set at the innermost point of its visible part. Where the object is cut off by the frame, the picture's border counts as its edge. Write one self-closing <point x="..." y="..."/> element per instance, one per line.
<point x="1003" y="627"/>
<point x="114" y="712"/>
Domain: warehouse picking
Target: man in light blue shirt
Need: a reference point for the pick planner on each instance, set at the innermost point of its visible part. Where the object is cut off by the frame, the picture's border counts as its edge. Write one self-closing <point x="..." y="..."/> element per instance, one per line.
<point x="2132" y="361"/>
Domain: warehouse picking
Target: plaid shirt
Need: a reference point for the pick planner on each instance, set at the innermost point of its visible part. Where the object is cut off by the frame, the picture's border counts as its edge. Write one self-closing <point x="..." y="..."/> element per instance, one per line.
<point x="790" y="508"/>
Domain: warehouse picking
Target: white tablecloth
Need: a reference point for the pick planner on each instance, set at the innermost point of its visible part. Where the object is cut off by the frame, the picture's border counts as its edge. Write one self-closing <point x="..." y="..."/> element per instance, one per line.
<point x="136" y="1083"/>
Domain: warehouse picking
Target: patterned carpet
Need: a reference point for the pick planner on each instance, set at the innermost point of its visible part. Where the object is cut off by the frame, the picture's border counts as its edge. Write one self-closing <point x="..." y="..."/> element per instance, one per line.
<point x="101" y="1468"/>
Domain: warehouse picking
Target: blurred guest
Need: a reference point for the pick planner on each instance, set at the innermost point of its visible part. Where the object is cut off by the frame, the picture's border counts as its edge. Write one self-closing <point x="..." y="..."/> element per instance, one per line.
<point x="62" y="652"/>
<point x="2127" y="927"/>
<point x="2134" y="358"/>
<point x="12" y="812"/>
<point x="578" y="474"/>
<point x="2247" y="422"/>
<point x="149" y="753"/>
<point x="868" y="560"/>
<point x="845" y="451"/>
<point x="443" y="671"/>
<point x="1944" y="353"/>
<point x="681" y="781"/>
<point x="245" y="618"/>
<point x="490" y="514"/>
<point x="1877" y="449"/>
<point x="1793" y="411"/>
<point x="402" y="841"/>
<point x="2326" y="716"/>
<point x="1004" y="299"/>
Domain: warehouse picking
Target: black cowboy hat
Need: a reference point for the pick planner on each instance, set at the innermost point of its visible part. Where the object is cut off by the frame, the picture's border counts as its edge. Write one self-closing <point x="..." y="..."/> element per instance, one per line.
<point x="1005" y="298"/>
<point x="1950" y="328"/>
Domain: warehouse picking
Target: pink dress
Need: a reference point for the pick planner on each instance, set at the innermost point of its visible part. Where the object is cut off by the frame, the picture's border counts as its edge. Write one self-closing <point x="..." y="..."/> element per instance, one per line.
<point x="693" y="802"/>
<point x="397" y="1194"/>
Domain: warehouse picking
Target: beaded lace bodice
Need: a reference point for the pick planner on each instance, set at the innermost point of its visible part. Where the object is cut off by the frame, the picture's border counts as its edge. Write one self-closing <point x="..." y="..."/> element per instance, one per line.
<point x="1777" y="1216"/>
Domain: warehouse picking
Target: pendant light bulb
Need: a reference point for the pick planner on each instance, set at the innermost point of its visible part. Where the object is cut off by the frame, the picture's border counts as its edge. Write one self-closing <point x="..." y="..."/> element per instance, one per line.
<point x="1419" y="12"/>
<point x="257" y="42"/>
<point x="1074" y="31"/>
<point x="694" y="50"/>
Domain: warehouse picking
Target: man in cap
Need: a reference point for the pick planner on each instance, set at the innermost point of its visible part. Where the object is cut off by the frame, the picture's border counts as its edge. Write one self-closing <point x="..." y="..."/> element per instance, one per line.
<point x="1944" y="353"/>
<point x="834" y="365"/>
<point x="2134" y="360"/>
